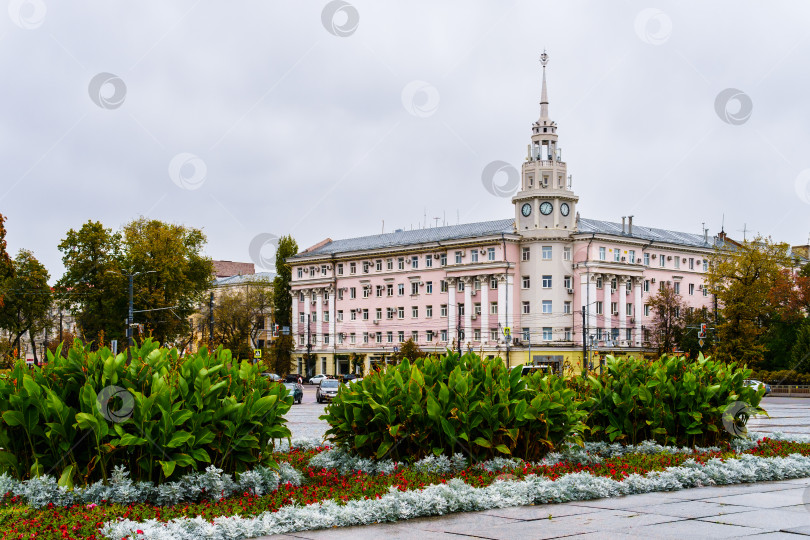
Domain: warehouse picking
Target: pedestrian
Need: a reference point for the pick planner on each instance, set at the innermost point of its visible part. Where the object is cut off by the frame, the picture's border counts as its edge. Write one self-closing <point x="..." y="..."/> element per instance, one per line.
<point x="300" y="380"/>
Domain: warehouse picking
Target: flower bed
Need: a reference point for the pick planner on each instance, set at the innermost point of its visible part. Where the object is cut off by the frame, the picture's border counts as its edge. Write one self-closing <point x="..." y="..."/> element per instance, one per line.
<point x="329" y="497"/>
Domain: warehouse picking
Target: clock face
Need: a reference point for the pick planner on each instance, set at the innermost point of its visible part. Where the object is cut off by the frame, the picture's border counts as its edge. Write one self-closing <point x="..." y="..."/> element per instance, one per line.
<point x="564" y="209"/>
<point x="526" y="209"/>
<point x="546" y="208"/>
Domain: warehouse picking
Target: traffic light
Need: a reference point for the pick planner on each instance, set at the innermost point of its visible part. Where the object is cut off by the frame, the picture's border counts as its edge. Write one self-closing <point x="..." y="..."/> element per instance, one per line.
<point x="702" y="333"/>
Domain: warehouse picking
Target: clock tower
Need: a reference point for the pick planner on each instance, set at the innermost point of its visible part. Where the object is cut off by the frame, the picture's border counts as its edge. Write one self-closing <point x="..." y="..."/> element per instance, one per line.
<point x="545" y="206"/>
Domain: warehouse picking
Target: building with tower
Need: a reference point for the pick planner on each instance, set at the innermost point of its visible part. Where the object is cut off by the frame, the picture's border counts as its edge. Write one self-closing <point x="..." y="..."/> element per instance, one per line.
<point x="530" y="289"/>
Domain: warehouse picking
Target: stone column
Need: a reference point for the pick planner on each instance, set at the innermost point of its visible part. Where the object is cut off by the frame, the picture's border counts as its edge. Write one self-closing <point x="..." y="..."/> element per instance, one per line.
<point x="452" y="309"/>
<point x="606" y="287"/>
<point x="622" y="307"/>
<point x="501" y="303"/>
<point x="592" y="321"/>
<point x="637" y="309"/>
<point x="468" y="308"/>
<point x="332" y="321"/>
<point x="319" y="313"/>
<point x="510" y="295"/>
<point x="294" y="326"/>
<point x="484" y="308"/>
<point x="307" y="311"/>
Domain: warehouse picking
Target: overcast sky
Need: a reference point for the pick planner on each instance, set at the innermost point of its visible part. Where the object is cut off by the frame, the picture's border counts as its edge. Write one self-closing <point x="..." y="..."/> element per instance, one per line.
<point x="322" y="119"/>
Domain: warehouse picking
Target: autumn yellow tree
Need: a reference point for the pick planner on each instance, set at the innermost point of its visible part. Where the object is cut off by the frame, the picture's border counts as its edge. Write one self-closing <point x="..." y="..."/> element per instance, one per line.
<point x="742" y="275"/>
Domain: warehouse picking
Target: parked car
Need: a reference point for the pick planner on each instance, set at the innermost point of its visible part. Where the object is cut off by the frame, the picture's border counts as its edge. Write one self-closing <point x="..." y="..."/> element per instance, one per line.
<point x="757" y="385"/>
<point x="294" y="377"/>
<point x="296" y="391"/>
<point x="355" y="380"/>
<point x="349" y="377"/>
<point x="271" y="376"/>
<point x="318" y="378"/>
<point x="327" y="390"/>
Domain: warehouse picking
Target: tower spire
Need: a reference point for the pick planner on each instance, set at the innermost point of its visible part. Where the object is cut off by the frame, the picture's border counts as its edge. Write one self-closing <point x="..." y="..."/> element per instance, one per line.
<point x="544" y="93"/>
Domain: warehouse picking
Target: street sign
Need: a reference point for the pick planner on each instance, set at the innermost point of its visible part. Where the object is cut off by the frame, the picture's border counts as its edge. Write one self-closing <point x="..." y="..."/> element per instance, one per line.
<point x="700" y="342"/>
<point x="285" y="330"/>
<point x="396" y="349"/>
<point x="114" y="346"/>
<point x="257" y="354"/>
<point x="507" y="331"/>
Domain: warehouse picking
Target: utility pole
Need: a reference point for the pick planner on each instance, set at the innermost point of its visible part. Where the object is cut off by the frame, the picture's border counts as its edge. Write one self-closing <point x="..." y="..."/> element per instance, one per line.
<point x="584" y="343"/>
<point x="309" y="344"/>
<point x="60" y="325"/>
<point x="458" y="329"/>
<point x="211" y="319"/>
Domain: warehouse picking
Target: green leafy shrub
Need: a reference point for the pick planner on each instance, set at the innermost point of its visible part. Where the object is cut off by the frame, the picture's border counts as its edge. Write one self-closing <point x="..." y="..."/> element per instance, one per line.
<point x="447" y="404"/>
<point x="159" y="416"/>
<point x="672" y="400"/>
<point x="783" y="376"/>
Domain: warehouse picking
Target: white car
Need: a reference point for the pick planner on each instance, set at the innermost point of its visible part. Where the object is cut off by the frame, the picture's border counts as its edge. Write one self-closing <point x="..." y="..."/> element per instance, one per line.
<point x="757" y="385"/>
<point x="318" y="378"/>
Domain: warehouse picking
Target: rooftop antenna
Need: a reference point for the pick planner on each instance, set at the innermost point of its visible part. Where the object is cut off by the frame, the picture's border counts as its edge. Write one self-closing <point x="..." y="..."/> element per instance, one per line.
<point x="383" y="226"/>
<point x="723" y="224"/>
<point x="437" y="218"/>
<point x="744" y="230"/>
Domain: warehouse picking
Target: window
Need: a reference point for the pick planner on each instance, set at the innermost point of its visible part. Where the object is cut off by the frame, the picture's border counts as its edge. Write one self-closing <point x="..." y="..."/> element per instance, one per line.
<point x="567" y="307"/>
<point x="380" y="290"/>
<point x="340" y="315"/>
<point x="301" y="339"/>
<point x="526" y="335"/>
<point x="677" y="262"/>
<point x="378" y="266"/>
<point x="428" y="261"/>
<point x="389" y="264"/>
<point x="429" y="287"/>
<point x="443" y="335"/>
<point x="325" y="316"/>
<point x="613" y="285"/>
<point x="461" y="309"/>
<point x="324" y="269"/>
<point x="365" y="314"/>
<point x="415" y="336"/>
<point x="366" y="291"/>
<point x="526" y="282"/>
<point x="677" y="287"/>
<point x="646" y="286"/>
<point x="365" y="267"/>
<point x="378" y="314"/>
<point x="614" y="309"/>
<point x="546" y="282"/>
<point x="547" y="307"/>
<point x="493" y="334"/>
<point x="705" y="265"/>
<point x="493" y="283"/>
<point x="691" y="263"/>
<point x="352" y="315"/>
<point x="365" y="337"/>
<point x="401" y="289"/>
<point x="493" y="308"/>
<point x="628" y="334"/>
<point x="429" y="335"/>
<point x="490" y="254"/>
<point x="476" y="284"/>
<point x="326" y="339"/>
<point x="566" y="253"/>
<point x="474" y="255"/>
<point x="567" y="334"/>
<point x="459" y="255"/>
<point x="602" y="253"/>
<point x="400" y="336"/>
<point x="599" y="283"/>
<point x="378" y="337"/>
<point x="428" y="311"/>
<point x="546" y="251"/>
<point x="300" y="273"/>
<point x="352" y="338"/>
<point x="476" y="335"/>
<point x="401" y="263"/>
<point x="389" y="289"/>
<point x="302" y="318"/>
<point x="677" y="312"/>
<point x="477" y="308"/>
<point x="632" y="257"/>
<point x="691" y="289"/>
<point x="401" y="312"/>
<point x="617" y="255"/>
<point x="646" y="310"/>
<point x="525" y="254"/>
<point x="567" y="282"/>
<point x="314" y="317"/>
<point x="340" y="337"/>
<point x="443" y="310"/>
<point x="443" y="285"/>
<point x="340" y="294"/>
<point x="414" y="262"/>
<point x="443" y="259"/>
<point x="599" y="308"/>
<point x="389" y="337"/>
<point x="705" y="291"/>
<point x="546" y="333"/>
<point x="389" y="313"/>
<point x="300" y="297"/>
<point x="646" y="259"/>
<point x="526" y="308"/>
<point x="460" y="286"/>
<point x="415" y="312"/>
<point x="414" y="288"/>
<point x="662" y="260"/>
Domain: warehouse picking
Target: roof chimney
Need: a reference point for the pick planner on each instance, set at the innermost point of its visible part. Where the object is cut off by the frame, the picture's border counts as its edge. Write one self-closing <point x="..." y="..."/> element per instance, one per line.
<point x="623" y="226"/>
<point x="630" y="225"/>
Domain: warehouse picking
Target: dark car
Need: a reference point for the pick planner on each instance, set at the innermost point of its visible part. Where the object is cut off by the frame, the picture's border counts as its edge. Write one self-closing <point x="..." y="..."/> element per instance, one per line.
<point x="296" y="391"/>
<point x="294" y="377"/>
<point x="327" y="390"/>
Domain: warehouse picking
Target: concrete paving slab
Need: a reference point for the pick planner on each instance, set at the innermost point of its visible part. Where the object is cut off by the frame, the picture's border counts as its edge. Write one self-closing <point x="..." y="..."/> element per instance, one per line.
<point x="737" y="489"/>
<point x="635" y="500"/>
<point x="541" y="511"/>
<point x="692" y="529"/>
<point x="771" y="499"/>
<point x="772" y="519"/>
<point x="799" y="531"/>
<point x="396" y="531"/>
<point x="690" y="509"/>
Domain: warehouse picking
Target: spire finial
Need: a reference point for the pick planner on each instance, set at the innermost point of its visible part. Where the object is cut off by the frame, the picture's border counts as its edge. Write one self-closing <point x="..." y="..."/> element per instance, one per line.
<point x="543" y="94"/>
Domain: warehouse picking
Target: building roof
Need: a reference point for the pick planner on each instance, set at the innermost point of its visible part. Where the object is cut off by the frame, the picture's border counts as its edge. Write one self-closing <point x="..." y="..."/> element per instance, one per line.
<point x="645" y="233"/>
<point x="231" y="268"/>
<point x="244" y="279"/>
<point x="408" y="238"/>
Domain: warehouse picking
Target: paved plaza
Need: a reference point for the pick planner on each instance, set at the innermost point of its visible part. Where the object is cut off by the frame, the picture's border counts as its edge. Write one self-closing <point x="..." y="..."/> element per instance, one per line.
<point x="764" y="510"/>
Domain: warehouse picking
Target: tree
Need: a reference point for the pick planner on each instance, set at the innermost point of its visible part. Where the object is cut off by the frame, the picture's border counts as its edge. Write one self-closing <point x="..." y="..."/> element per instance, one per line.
<point x="91" y="286"/>
<point x="687" y="340"/>
<point x="240" y="315"/>
<point x="6" y="266"/>
<point x="667" y="326"/>
<point x="801" y="349"/>
<point x="409" y="350"/>
<point x="27" y="299"/>
<point x="284" y="345"/>
<point x="742" y="277"/>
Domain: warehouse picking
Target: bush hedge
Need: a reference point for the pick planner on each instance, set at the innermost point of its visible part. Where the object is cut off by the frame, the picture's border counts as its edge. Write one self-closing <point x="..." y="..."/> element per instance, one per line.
<point x="160" y="416"/>
<point x="449" y="404"/>
<point x="672" y="400"/>
<point x="783" y="376"/>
